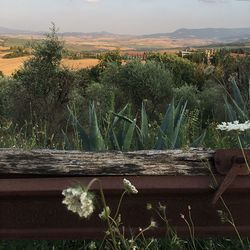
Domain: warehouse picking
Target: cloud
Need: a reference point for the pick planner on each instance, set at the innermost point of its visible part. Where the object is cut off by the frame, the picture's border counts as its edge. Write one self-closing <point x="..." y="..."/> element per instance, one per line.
<point x="91" y="1"/>
<point x="222" y="1"/>
<point x="213" y="1"/>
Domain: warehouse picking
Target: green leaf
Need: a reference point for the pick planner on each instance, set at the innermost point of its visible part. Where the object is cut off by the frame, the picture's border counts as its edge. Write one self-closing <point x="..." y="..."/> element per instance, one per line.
<point x="166" y="127"/>
<point x="199" y="141"/>
<point x="129" y="136"/>
<point x="67" y="145"/>
<point x="84" y="138"/>
<point x="144" y="133"/>
<point x="180" y="118"/>
<point x="237" y="97"/>
<point x="95" y="136"/>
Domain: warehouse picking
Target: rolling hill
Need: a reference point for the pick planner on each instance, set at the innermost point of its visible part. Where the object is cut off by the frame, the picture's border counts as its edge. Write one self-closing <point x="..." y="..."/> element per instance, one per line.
<point x="211" y="34"/>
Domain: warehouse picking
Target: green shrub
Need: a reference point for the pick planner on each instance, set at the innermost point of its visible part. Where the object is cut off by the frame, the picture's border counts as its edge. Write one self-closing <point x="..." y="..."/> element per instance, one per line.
<point x="188" y="93"/>
<point x="110" y="57"/>
<point x="17" y="52"/>
<point x="211" y="102"/>
<point x="42" y="86"/>
<point x="183" y="70"/>
<point x="136" y="81"/>
<point x="102" y="95"/>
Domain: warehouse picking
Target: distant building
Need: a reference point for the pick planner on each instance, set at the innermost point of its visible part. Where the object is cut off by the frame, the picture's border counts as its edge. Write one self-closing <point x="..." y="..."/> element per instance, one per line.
<point x="186" y="52"/>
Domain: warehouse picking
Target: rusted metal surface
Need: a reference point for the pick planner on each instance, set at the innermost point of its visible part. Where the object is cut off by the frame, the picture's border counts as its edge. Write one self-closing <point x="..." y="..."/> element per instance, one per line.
<point x="231" y="163"/>
<point x="224" y="160"/>
<point x="31" y="207"/>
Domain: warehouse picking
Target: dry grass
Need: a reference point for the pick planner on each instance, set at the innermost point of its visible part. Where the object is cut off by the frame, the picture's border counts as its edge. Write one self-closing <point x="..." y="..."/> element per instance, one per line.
<point x="79" y="64"/>
<point x="9" y="66"/>
<point x="3" y="48"/>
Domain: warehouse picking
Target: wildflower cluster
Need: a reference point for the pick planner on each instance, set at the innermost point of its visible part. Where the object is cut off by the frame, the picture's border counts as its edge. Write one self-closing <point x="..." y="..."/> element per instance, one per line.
<point x="105" y="213"/>
<point x="131" y="189"/>
<point x="79" y="201"/>
<point x="234" y="126"/>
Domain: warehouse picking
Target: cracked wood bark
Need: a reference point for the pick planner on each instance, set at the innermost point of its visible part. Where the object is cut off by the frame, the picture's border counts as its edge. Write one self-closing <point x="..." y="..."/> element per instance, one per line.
<point x="14" y="162"/>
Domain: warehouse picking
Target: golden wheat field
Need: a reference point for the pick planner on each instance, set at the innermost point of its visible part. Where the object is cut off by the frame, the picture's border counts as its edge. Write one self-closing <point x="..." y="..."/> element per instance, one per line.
<point x="80" y="63"/>
<point x="9" y="66"/>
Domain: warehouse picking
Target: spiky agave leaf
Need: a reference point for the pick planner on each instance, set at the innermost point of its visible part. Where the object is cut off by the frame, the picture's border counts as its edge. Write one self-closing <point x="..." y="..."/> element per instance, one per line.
<point x="129" y="137"/>
<point x="83" y="136"/>
<point x="144" y="131"/>
<point x="95" y="137"/>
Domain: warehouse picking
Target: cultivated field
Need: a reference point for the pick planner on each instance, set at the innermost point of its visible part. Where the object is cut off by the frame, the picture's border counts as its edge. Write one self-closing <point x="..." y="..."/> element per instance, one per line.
<point x="10" y="65"/>
<point x="81" y="63"/>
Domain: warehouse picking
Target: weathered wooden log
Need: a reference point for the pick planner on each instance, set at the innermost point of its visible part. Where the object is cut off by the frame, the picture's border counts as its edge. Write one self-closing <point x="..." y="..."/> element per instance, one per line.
<point x="77" y="163"/>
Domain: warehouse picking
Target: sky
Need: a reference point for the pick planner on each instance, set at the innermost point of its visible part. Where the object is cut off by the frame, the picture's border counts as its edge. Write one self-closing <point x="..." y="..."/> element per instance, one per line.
<point x="123" y="16"/>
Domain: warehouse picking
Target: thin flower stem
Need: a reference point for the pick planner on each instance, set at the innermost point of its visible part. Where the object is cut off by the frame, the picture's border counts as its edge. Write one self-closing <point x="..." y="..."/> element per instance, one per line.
<point x="190" y="231"/>
<point x="231" y="221"/>
<point x="244" y="154"/>
<point x="164" y="218"/>
<point x="142" y="232"/>
<point x="191" y="220"/>
<point x="118" y="231"/>
<point x="149" y="244"/>
<point x="105" y="205"/>
<point x="119" y="204"/>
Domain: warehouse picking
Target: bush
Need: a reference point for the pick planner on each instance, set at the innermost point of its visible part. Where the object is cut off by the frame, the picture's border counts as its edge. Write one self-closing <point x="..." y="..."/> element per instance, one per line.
<point x="42" y="86"/>
<point x="212" y="102"/>
<point x="110" y="57"/>
<point x="188" y="93"/>
<point x="137" y="81"/>
<point x="102" y="95"/>
<point x="17" y="52"/>
<point x="183" y="70"/>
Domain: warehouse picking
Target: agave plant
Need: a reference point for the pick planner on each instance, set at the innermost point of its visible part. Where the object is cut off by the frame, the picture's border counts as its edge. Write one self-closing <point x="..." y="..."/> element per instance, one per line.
<point x="237" y="108"/>
<point x="124" y="134"/>
<point x="141" y="135"/>
<point x="91" y="140"/>
<point x="168" y="136"/>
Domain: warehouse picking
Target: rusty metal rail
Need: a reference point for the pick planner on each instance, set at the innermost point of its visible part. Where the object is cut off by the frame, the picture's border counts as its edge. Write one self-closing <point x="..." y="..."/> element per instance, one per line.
<point x="31" y="207"/>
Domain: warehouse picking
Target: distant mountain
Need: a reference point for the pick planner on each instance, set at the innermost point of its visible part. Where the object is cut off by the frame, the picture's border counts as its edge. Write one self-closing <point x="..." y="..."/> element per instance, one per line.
<point x="215" y="34"/>
<point x="209" y="34"/>
<point x="92" y="34"/>
<point x="7" y="31"/>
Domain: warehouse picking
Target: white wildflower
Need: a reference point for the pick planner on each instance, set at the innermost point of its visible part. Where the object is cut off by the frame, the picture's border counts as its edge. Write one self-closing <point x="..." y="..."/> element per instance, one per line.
<point x="92" y="245"/>
<point x="129" y="187"/>
<point x="234" y="126"/>
<point x="105" y="213"/>
<point x="153" y="223"/>
<point x="87" y="206"/>
<point x="78" y="201"/>
<point x="149" y="206"/>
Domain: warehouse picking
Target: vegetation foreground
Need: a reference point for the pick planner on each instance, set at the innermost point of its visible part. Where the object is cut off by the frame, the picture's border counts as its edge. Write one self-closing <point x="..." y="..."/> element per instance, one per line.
<point x="159" y="102"/>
